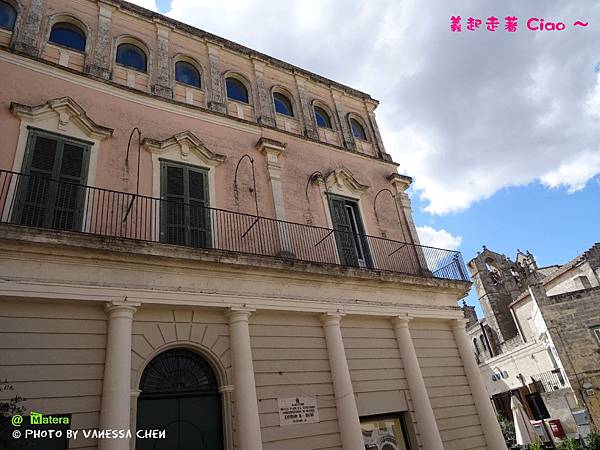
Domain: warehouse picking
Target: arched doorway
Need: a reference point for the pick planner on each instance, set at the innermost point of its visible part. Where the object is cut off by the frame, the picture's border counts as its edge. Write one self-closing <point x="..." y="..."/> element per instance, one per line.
<point x="180" y="395"/>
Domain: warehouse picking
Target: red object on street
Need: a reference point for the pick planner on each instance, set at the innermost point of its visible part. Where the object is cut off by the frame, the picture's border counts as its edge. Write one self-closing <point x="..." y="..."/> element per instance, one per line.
<point x="557" y="429"/>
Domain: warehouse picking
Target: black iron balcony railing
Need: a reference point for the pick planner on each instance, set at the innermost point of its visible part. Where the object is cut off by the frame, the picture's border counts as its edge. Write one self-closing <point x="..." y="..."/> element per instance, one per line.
<point x="41" y="202"/>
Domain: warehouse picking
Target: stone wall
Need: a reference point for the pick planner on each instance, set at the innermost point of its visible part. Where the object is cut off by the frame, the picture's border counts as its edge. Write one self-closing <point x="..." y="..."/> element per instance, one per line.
<point x="571" y="318"/>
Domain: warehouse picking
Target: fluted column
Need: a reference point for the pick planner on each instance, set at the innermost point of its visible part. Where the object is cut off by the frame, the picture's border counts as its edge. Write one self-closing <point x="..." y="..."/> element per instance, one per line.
<point x="428" y="429"/>
<point x="216" y="101"/>
<point x="116" y="386"/>
<point x="347" y="412"/>
<point x="264" y="110"/>
<point x="162" y="85"/>
<point x="27" y="39"/>
<point x="343" y="126"/>
<point x="489" y="423"/>
<point x="246" y="404"/>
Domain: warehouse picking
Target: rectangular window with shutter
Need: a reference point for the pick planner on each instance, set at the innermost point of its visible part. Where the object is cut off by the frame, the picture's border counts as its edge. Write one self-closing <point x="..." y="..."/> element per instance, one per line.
<point x="52" y="192"/>
<point x="185" y="217"/>
<point x="349" y="233"/>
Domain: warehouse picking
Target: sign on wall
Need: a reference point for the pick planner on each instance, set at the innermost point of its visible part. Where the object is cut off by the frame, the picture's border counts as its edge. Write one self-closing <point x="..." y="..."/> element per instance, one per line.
<point x="293" y="411"/>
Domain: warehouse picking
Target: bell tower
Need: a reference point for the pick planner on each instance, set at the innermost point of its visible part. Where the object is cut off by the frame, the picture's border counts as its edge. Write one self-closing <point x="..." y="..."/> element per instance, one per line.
<point x="498" y="282"/>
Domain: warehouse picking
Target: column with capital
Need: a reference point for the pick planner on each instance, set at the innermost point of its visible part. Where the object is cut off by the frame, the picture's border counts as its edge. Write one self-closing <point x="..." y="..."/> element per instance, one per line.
<point x="246" y="403"/>
<point x="116" y="386"/>
<point x="428" y="429"/>
<point x="347" y="412"/>
<point x="489" y="423"/>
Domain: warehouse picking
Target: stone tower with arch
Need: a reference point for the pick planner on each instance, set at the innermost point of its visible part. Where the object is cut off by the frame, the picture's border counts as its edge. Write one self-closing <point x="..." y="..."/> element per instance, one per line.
<point x="498" y="281"/>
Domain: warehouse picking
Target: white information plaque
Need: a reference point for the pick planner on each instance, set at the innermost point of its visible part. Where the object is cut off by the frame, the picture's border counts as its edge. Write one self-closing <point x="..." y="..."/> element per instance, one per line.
<point x="293" y="411"/>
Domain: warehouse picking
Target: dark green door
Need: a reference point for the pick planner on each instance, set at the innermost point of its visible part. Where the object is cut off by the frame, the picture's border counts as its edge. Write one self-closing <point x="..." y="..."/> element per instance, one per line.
<point x="185" y="213"/>
<point x="180" y="395"/>
<point x="51" y="195"/>
<point x="351" y="241"/>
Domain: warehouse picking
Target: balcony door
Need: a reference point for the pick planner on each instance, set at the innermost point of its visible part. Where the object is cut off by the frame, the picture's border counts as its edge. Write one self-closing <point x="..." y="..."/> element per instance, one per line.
<point x="50" y="194"/>
<point x="185" y="215"/>
<point x="350" y="236"/>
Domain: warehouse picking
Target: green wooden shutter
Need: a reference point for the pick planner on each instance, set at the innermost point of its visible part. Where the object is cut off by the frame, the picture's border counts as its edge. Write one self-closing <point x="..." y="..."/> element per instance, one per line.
<point x="68" y="206"/>
<point x="199" y="217"/>
<point x="43" y="201"/>
<point x="173" y="193"/>
<point x="343" y="236"/>
<point x="186" y="219"/>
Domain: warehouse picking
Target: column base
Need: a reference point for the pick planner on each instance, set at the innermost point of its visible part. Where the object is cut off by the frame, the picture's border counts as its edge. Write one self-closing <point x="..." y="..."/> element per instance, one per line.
<point x="98" y="71"/>
<point x="162" y="91"/>
<point x="311" y="134"/>
<point x="269" y="121"/>
<point x="218" y="106"/>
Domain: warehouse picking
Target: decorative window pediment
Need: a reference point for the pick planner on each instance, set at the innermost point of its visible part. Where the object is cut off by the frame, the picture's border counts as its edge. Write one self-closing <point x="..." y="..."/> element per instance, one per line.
<point x="342" y="181"/>
<point x="63" y="113"/>
<point x="185" y="146"/>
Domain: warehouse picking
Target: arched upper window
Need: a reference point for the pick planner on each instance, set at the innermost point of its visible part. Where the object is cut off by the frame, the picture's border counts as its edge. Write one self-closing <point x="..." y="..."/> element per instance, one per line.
<point x="236" y="90"/>
<point x="8" y="16"/>
<point x="322" y="118"/>
<point x="358" y="131"/>
<point x="68" y="35"/>
<point x="186" y="73"/>
<point x="283" y="104"/>
<point x="132" y="56"/>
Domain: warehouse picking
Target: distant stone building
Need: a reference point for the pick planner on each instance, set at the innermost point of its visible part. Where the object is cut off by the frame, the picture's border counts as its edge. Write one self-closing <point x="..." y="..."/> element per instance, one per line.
<point x="540" y="333"/>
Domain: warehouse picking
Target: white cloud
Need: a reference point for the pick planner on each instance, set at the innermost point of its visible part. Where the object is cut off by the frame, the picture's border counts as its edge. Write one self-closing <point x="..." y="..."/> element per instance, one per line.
<point x="574" y="174"/>
<point x="438" y="238"/>
<point x="466" y="114"/>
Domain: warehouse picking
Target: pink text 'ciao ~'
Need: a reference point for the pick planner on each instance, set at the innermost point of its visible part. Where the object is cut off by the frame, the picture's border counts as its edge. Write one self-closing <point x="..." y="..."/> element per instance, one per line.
<point x="509" y="24"/>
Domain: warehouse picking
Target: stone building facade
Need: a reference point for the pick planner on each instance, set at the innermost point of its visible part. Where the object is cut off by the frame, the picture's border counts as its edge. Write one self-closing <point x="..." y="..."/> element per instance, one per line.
<point x="196" y="236"/>
<point x="538" y="333"/>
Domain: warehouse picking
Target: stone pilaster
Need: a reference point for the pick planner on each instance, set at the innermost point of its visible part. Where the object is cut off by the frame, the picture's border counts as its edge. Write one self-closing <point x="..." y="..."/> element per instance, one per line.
<point x="101" y="62"/>
<point x="428" y="429"/>
<point x="307" y="116"/>
<point x="273" y="151"/>
<point x="347" y="411"/>
<point x="27" y="39"/>
<point x="340" y="117"/>
<point x="162" y="85"/>
<point x="263" y="100"/>
<point x="483" y="404"/>
<point x="246" y="404"/>
<point x="370" y="106"/>
<point x="216" y="100"/>
<point x="400" y="184"/>
<point x="116" y="387"/>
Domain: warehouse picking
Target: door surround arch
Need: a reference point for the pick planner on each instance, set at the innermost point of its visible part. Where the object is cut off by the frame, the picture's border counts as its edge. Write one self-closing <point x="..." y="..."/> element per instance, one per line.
<point x="222" y="375"/>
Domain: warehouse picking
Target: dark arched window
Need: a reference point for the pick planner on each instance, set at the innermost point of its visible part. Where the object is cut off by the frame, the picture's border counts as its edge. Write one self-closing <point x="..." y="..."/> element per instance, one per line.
<point x="186" y="73"/>
<point x="283" y="104"/>
<point x="322" y="118"/>
<point x="236" y="90"/>
<point x="8" y="16"/>
<point x="68" y="35"/>
<point x="179" y="394"/>
<point x="358" y="131"/>
<point x="132" y="56"/>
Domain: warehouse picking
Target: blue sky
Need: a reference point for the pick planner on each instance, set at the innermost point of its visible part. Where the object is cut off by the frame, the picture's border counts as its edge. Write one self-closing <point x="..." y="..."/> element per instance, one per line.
<point x="554" y="225"/>
<point x="500" y="131"/>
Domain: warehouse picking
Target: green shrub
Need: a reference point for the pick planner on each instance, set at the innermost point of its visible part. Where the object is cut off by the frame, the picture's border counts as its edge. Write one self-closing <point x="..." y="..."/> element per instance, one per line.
<point x="571" y="444"/>
<point x="592" y="441"/>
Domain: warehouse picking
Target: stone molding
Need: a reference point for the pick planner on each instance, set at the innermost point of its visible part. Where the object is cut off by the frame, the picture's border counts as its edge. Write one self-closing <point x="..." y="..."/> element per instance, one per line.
<point x="343" y="179"/>
<point x="67" y="109"/>
<point x="187" y="142"/>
